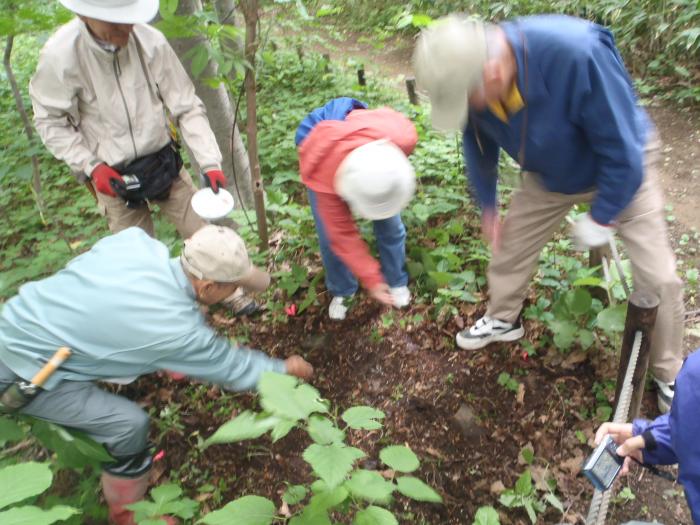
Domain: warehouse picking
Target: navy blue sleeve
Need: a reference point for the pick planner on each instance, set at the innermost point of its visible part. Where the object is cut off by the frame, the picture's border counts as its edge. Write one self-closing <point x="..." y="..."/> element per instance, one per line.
<point x="481" y="163"/>
<point x="336" y="109"/>
<point x="604" y="105"/>
<point x="657" y="434"/>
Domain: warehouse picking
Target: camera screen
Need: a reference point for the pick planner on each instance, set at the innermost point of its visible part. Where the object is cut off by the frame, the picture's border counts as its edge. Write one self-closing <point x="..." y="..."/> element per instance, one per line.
<point x="606" y="467"/>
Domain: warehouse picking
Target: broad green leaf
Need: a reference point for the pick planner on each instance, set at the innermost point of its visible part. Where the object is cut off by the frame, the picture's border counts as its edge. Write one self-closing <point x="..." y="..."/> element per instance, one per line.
<point x="323" y="431"/>
<point x="282" y="428"/>
<point x="153" y="521"/>
<point x="486" y="516"/>
<point x="246" y="425"/>
<point x="530" y="511"/>
<point x="564" y="333"/>
<point x="90" y="448"/>
<point x="328" y="499"/>
<point x="528" y="455"/>
<point x="168" y="7"/>
<point x="523" y="486"/>
<point x="200" y="60"/>
<point x="370" y="486"/>
<point x="165" y="493"/>
<point x="507" y="499"/>
<point x="294" y="494"/>
<point x="363" y="418"/>
<point x="374" y="516"/>
<point x="30" y="515"/>
<point x="9" y="430"/>
<point x="283" y="396"/>
<point x="612" y="319"/>
<point x="554" y="501"/>
<point x="248" y="510"/>
<point x="585" y="339"/>
<point x="22" y="481"/>
<point x="417" y="490"/>
<point x="579" y="301"/>
<point x="332" y="463"/>
<point x="399" y="458"/>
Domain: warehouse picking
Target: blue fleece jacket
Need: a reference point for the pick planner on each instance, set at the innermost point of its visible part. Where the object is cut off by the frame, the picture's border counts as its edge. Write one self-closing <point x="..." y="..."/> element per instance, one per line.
<point x="584" y="127"/>
<point x="673" y="437"/>
<point x="336" y="109"/>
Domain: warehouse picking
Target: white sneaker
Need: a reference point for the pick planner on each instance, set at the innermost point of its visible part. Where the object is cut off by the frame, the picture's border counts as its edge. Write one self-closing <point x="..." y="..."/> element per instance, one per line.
<point x="338" y="308"/>
<point x="401" y="296"/>
<point x="488" y="330"/>
<point x="664" y="395"/>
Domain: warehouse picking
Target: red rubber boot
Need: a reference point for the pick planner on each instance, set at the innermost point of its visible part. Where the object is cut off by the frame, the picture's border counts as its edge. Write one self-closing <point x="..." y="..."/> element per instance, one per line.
<point x="119" y="492"/>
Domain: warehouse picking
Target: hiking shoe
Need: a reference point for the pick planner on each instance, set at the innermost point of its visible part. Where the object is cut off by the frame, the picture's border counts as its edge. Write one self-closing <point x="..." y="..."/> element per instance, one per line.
<point x="401" y="296"/>
<point x="664" y="395"/>
<point x="489" y="330"/>
<point x="339" y="307"/>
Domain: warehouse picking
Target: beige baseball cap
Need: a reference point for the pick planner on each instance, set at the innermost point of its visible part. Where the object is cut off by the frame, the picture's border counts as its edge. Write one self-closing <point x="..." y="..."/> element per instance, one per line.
<point x="217" y="253"/>
<point x="376" y="180"/>
<point x="448" y="61"/>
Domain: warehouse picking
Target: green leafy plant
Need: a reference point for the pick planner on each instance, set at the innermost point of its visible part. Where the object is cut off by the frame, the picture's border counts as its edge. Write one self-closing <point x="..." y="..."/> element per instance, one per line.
<point x="167" y="500"/>
<point x="23" y="481"/>
<point x="508" y="382"/>
<point x="340" y="485"/>
<point x="524" y="495"/>
<point x="486" y="516"/>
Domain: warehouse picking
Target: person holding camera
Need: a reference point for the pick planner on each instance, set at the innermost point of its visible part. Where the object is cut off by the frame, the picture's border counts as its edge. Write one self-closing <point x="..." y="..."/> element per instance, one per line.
<point x="670" y="438"/>
<point x="126" y="308"/>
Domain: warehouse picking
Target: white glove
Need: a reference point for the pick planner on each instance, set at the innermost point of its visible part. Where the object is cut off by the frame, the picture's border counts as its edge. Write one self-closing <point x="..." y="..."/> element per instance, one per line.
<point x="587" y="233"/>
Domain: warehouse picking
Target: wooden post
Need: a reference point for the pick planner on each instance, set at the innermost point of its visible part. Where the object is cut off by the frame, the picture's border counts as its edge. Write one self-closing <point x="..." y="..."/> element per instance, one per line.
<point x="327" y="62"/>
<point x="361" y="76"/>
<point x="641" y="316"/>
<point x="300" y="52"/>
<point x="411" y="89"/>
<point x="595" y="258"/>
<point x="250" y="12"/>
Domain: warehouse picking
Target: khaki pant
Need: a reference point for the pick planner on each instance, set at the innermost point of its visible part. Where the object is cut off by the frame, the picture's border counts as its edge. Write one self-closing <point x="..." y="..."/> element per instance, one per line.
<point x="533" y="217"/>
<point x="177" y="208"/>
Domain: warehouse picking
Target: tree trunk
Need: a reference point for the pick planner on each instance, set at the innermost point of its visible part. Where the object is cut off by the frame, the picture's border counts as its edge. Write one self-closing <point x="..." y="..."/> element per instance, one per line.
<point x="250" y="11"/>
<point x="36" y="173"/>
<point x="235" y="164"/>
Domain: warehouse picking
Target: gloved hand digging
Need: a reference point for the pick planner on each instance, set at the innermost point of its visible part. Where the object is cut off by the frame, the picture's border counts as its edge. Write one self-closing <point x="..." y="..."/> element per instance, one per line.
<point x="587" y="233"/>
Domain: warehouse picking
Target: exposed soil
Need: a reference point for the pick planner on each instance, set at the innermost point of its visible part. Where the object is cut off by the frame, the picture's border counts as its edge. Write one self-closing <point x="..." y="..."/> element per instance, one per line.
<point x="415" y="375"/>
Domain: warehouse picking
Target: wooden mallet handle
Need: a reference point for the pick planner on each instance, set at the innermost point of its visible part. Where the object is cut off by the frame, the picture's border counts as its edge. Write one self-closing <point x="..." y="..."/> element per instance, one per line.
<point x="49" y="368"/>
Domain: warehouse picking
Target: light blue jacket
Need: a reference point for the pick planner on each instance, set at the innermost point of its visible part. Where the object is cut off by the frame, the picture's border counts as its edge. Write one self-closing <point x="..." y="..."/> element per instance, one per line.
<point x="124" y="308"/>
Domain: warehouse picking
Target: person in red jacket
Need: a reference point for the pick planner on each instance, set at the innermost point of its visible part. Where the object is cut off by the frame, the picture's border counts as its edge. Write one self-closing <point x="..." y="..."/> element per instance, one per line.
<point x="354" y="161"/>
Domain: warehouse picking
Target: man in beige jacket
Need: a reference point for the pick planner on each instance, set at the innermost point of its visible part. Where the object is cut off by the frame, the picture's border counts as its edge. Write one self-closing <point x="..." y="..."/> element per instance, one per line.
<point x="106" y="88"/>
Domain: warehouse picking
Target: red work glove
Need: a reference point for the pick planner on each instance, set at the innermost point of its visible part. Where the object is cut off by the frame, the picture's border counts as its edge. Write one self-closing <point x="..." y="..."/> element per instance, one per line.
<point x="215" y="179"/>
<point x="103" y="176"/>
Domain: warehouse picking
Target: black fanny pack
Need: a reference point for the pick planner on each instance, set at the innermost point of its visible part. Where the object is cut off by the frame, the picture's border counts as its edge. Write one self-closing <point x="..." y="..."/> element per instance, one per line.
<point x="149" y="177"/>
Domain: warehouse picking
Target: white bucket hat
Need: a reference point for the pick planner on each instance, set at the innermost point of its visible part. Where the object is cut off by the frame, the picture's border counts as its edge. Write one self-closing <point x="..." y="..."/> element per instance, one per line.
<point x="115" y="11"/>
<point x="449" y="60"/>
<point x="376" y="180"/>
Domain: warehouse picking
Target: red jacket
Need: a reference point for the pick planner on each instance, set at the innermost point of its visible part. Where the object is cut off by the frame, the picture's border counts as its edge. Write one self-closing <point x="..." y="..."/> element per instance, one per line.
<point x="320" y="154"/>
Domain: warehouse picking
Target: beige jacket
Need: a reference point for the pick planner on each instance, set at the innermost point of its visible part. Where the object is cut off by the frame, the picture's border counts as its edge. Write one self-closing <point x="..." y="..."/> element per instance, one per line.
<point x="92" y="105"/>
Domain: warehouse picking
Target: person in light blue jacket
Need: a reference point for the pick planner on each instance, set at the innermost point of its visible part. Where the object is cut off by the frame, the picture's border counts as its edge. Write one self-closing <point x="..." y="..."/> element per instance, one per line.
<point x="126" y="308"/>
<point x="670" y="438"/>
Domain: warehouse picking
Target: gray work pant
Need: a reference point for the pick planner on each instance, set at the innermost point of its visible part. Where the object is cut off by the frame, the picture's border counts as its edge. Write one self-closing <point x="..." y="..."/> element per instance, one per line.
<point x="116" y="422"/>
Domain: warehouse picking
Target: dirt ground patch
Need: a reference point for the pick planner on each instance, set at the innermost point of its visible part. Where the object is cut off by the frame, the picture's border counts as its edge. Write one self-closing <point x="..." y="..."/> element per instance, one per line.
<point x="417" y="377"/>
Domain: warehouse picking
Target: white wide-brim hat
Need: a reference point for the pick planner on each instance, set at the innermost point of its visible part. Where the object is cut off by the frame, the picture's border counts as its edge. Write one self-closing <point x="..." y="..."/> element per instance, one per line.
<point x="448" y="61"/>
<point x="115" y="11"/>
<point x="376" y="180"/>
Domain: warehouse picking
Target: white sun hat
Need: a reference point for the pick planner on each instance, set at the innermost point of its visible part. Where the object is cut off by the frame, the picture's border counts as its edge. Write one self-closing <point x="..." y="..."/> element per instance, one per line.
<point x="449" y="60"/>
<point x="376" y="180"/>
<point x="115" y="11"/>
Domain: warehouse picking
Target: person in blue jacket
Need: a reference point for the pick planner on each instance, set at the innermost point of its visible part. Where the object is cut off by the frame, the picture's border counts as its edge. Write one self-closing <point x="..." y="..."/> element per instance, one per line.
<point x="669" y="439"/>
<point x="553" y="92"/>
